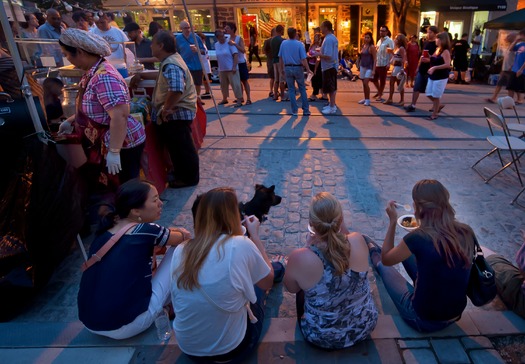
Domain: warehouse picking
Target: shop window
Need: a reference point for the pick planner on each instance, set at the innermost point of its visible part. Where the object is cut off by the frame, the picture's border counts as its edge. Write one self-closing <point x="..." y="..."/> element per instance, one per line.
<point x="454" y="27"/>
<point x="328" y="13"/>
<point x="367" y="20"/>
<point x="479" y="19"/>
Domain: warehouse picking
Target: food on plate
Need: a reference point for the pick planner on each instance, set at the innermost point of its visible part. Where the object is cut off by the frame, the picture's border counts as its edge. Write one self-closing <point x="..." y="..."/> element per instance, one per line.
<point x="409" y="222"/>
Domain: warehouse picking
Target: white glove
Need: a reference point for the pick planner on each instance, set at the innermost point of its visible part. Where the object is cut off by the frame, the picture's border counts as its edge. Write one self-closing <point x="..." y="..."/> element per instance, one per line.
<point x="113" y="163"/>
<point x="65" y="128"/>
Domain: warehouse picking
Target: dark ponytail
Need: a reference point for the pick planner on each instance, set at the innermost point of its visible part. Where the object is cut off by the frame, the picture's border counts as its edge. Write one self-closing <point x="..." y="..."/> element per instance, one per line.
<point x="130" y="195"/>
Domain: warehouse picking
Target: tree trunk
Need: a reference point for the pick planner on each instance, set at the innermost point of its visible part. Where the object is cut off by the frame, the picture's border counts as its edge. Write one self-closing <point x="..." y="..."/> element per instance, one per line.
<point x="400" y="10"/>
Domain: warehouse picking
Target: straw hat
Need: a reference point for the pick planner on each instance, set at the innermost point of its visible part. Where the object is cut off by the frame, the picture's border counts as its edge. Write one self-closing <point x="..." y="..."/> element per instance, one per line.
<point x="86" y="41"/>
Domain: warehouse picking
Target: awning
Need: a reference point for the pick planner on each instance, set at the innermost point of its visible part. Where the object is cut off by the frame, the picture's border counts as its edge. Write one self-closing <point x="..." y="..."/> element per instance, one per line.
<point x="463" y="5"/>
<point x="512" y="21"/>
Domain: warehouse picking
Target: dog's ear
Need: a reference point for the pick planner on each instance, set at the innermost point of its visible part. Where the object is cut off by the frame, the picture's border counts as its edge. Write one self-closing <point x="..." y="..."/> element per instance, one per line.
<point x="272" y="188"/>
<point x="258" y="187"/>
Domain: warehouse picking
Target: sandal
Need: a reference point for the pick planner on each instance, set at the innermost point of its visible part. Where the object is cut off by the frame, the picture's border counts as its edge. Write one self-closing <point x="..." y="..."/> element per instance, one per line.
<point x="223" y="102"/>
<point x="388" y="102"/>
<point x="237" y="104"/>
<point x="432" y="117"/>
<point x="248" y="102"/>
<point x="490" y="100"/>
<point x="312" y="99"/>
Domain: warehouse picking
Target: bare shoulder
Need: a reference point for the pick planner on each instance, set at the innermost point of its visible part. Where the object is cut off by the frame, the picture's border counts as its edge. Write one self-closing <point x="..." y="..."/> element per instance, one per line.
<point x="302" y="257"/>
<point x="356" y="240"/>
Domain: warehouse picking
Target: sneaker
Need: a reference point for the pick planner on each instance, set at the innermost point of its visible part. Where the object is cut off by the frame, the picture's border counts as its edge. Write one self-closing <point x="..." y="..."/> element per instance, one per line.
<point x="367" y="103"/>
<point x="328" y="106"/>
<point x="307" y="113"/>
<point x="361" y="102"/>
<point x="294" y="113"/>
<point x="206" y="95"/>
<point x="330" y="110"/>
<point x="410" y="108"/>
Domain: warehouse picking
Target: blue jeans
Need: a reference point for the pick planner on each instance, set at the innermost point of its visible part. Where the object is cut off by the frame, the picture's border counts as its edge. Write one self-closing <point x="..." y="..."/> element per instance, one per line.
<point x="402" y="292"/>
<point x="293" y="74"/>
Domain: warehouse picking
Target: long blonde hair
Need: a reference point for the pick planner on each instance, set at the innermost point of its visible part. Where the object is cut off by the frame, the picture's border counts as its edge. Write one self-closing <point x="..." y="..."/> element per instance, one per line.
<point x="450" y="237"/>
<point x="217" y="214"/>
<point x="326" y="217"/>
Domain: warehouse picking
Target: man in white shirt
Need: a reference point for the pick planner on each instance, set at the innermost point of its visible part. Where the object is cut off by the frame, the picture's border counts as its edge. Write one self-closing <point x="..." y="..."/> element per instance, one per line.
<point x="475" y="50"/>
<point x="385" y="48"/>
<point x="111" y="34"/>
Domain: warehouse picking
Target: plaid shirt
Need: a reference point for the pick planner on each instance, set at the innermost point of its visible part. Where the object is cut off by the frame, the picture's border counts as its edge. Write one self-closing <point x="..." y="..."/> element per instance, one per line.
<point x="175" y="77"/>
<point x="106" y="89"/>
<point x="383" y="57"/>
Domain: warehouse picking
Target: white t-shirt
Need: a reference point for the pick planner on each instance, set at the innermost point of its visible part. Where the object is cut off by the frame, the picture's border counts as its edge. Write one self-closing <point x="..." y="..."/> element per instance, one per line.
<point x="113" y="35"/>
<point x="224" y="53"/>
<point x="216" y="324"/>
<point x="205" y="58"/>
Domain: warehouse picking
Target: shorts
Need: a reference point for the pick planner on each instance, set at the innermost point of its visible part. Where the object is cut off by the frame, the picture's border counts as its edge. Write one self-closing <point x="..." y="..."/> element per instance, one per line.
<point x="330" y="80"/>
<point x="365" y="73"/>
<point x="436" y="88"/>
<point x="460" y="65"/>
<point x="197" y="77"/>
<point x="516" y="84"/>
<point x="277" y="73"/>
<point x="396" y="71"/>
<point x="243" y="71"/>
<point x="380" y="73"/>
<point x="269" y="67"/>
<point x="420" y="84"/>
<point x="504" y="78"/>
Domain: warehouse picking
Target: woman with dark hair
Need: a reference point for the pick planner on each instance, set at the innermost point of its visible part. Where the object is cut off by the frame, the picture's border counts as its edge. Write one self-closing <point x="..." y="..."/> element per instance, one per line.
<point x="437" y="256"/>
<point x="438" y="74"/>
<point x="335" y="308"/>
<point x="154" y="27"/>
<point x="398" y="75"/>
<point x="367" y="65"/>
<point x="102" y="110"/>
<point x="254" y="47"/>
<point x="220" y="279"/>
<point x="412" y="59"/>
<point x="119" y="295"/>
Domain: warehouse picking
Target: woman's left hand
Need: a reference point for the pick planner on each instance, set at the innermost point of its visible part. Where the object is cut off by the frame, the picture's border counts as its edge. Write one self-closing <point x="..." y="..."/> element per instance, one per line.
<point x="431" y="70"/>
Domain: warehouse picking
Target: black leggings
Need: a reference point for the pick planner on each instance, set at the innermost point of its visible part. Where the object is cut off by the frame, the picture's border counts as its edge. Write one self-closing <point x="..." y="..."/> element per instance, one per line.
<point x="254" y="50"/>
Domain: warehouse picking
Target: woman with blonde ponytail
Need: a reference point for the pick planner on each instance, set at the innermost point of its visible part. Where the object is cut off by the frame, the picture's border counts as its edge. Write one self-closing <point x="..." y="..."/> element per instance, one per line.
<point x="329" y="276"/>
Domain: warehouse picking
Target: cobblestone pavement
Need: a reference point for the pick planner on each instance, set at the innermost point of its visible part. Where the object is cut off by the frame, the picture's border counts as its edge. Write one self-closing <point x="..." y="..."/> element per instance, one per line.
<point x="364" y="160"/>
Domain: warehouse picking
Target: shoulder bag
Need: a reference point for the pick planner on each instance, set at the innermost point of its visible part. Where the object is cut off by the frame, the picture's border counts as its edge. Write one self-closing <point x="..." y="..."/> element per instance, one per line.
<point x="481" y="287"/>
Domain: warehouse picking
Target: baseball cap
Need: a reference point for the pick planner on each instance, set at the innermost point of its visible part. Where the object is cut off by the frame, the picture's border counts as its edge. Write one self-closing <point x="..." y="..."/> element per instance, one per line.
<point x="131" y="27"/>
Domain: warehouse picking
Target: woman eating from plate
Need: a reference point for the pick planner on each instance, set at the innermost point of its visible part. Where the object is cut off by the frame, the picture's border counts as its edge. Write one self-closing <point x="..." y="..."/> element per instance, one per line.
<point x="109" y="132"/>
<point x="119" y="295"/>
<point x="437" y="256"/>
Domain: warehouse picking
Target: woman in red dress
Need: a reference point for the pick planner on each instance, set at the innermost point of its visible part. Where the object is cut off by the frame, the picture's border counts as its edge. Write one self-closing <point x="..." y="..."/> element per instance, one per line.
<point x="413" y="59"/>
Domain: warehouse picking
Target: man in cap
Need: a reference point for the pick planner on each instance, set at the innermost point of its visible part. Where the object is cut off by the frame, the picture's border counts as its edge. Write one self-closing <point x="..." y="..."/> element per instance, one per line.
<point x="174" y="108"/>
<point x="142" y="45"/>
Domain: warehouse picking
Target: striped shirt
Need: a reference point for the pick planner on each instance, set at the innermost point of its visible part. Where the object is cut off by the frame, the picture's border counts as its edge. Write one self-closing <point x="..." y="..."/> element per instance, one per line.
<point x="174" y="75"/>
<point x="383" y="57"/>
<point x="106" y="89"/>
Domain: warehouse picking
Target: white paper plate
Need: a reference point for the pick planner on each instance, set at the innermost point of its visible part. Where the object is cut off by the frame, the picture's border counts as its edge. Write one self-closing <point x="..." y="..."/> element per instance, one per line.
<point x="400" y="218"/>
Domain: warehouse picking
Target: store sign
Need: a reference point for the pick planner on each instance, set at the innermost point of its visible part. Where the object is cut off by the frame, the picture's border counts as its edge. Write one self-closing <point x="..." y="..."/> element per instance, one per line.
<point x="496" y="7"/>
<point x="463" y="5"/>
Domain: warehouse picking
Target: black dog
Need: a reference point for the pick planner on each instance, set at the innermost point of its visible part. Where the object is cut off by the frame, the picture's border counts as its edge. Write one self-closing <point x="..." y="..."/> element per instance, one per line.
<point x="259" y="206"/>
<point x="261" y="202"/>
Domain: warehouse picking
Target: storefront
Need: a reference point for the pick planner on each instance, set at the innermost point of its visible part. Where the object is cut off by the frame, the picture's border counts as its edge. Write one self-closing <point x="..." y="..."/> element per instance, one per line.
<point x="460" y="16"/>
<point x="350" y="21"/>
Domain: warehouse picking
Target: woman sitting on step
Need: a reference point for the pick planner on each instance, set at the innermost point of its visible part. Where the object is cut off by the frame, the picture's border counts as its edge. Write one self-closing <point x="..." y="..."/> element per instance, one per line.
<point x="437" y="256"/>
<point x="334" y="306"/>
<point x="119" y="296"/>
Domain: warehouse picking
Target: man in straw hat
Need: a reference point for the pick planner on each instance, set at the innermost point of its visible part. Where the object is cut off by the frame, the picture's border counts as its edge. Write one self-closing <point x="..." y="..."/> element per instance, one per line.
<point x="110" y="132"/>
<point x="174" y="108"/>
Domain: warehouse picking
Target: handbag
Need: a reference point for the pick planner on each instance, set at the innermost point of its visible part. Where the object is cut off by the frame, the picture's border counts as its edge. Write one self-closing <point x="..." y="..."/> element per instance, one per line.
<point x="481" y="287"/>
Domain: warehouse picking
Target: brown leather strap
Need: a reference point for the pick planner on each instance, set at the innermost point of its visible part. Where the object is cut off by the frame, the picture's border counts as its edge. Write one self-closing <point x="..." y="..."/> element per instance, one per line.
<point x="106" y="247"/>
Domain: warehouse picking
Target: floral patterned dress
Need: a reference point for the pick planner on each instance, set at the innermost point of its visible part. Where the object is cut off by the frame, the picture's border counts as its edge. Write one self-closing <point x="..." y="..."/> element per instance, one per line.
<point x="339" y="310"/>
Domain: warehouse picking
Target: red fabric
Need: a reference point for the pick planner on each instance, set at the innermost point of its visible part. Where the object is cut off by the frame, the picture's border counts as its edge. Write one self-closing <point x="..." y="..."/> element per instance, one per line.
<point x="198" y="127"/>
<point x="412" y="59"/>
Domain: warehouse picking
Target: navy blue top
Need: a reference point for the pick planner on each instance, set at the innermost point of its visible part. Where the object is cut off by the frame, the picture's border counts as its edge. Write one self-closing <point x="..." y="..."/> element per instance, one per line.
<point x="440" y="292"/>
<point x="114" y="291"/>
